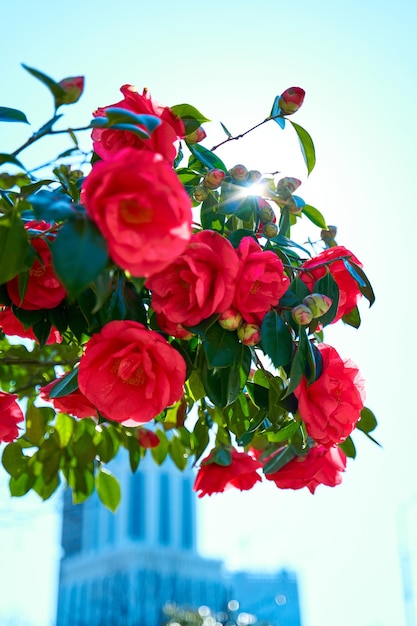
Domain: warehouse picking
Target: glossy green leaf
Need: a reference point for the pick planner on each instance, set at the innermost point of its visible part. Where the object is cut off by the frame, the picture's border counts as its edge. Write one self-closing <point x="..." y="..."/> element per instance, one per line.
<point x="177" y="453"/>
<point x="12" y="115"/>
<point x="362" y="280"/>
<point x="299" y="363"/>
<point x="14" y="462"/>
<point x="367" y="422"/>
<point x="275" y="463"/>
<point x="328" y="286"/>
<point x="353" y="318"/>
<point x="108" y="489"/>
<point x="52" y="206"/>
<point x="227" y="132"/>
<point x="314" y="216"/>
<point x="65" y="385"/>
<point x="348" y="448"/>
<point x="14" y="246"/>
<point x="36" y="421"/>
<point x="64" y="426"/>
<point x="20" y="485"/>
<point x="222" y="347"/>
<point x="276" y="339"/>
<point x="55" y="88"/>
<point x="159" y="453"/>
<point x="119" y="115"/>
<point x="307" y="146"/>
<point x="222" y="385"/>
<point x="284" y="433"/>
<point x="206" y="157"/>
<point x="187" y="112"/>
<point x="79" y="254"/>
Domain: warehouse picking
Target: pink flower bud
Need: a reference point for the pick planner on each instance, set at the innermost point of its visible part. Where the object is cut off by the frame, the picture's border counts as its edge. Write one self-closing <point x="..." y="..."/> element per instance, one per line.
<point x="266" y="213"/>
<point x="302" y="315"/>
<point x="288" y="184"/>
<point x="291" y="100"/>
<point x="200" y="193"/>
<point x="254" y="176"/>
<point x="270" y="230"/>
<point x="147" y="438"/>
<point x="249" y="334"/>
<point x="74" y="87"/>
<point x="239" y="173"/>
<point x="214" y="178"/>
<point x="196" y="136"/>
<point x="230" y="319"/>
<point x="318" y="303"/>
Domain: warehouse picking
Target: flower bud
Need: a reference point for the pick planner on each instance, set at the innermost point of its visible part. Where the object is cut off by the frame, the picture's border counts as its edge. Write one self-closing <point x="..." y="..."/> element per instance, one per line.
<point x="318" y="303"/>
<point x="196" y="136"/>
<point x="230" y="319"/>
<point x="288" y="185"/>
<point x="329" y="234"/>
<point x="147" y="438"/>
<point x="249" y="334"/>
<point x="270" y="230"/>
<point x="213" y="179"/>
<point x="200" y="193"/>
<point x="291" y="100"/>
<point x="302" y="315"/>
<point x="239" y="173"/>
<point x="254" y="176"/>
<point x="293" y="207"/>
<point x="74" y="87"/>
<point x="266" y="213"/>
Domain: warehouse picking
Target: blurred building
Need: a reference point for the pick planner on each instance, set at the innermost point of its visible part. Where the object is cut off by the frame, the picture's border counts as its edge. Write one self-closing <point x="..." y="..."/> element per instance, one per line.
<point x="121" y="569"/>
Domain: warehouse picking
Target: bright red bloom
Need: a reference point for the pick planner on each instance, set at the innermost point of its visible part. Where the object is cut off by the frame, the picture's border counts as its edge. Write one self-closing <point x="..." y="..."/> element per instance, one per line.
<point x="141" y="208"/>
<point x="10" y="325"/>
<point x="260" y="283"/>
<point x="214" y="478"/>
<point x="332" y="404"/>
<point x="291" y="100"/>
<point x="171" y="328"/>
<point x="321" y="466"/>
<point x="75" y="403"/>
<point x="349" y="291"/>
<point x="10" y="415"/>
<point x="106" y="142"/>
<point x="44" y="291"/>
<point x="130" y="373"/>
<point x="198" y="283"/>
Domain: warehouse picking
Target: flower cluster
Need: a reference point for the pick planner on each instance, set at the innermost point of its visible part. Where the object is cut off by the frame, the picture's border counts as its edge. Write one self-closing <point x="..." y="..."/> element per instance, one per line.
<point x="167" y="288"/>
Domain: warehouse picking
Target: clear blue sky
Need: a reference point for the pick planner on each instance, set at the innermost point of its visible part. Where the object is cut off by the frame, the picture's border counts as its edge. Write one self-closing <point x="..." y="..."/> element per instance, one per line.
<point x="356" y="62"/>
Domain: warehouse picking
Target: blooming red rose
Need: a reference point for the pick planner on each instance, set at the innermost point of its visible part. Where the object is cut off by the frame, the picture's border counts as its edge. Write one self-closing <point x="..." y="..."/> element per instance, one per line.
<point x="10" y="325"/>
<point x="43" y="291"/>
<point x="291" y="100"/>
<point x="214" y="478"/>
<point x="349" y="291"/>
<point x="321" y="466"/>
<point x="332" y="404"/>
<point x="260" y="283"/>
<point x="141" y="208"/>
<point x="75" y="403"/>
<point x="130" y="373"/>
<point x="198" y="283"/>
<point x="10" y="415"/>
<point x="106" y="142"/>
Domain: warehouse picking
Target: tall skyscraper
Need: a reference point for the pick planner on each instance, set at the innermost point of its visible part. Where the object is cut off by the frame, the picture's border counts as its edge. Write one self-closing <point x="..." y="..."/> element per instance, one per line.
<point x="121" y="569"/>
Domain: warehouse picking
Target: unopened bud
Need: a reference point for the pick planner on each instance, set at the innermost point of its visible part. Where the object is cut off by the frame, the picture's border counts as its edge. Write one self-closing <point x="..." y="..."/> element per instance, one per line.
<point x="302" y="315"/>
<point x="200" y="193"/>
<point x="254" y="176"/>
<point x="266" y="213"/>
<point x="288" y="184"/>
<point x="291" y="100"/>
<point x="230" y="319"/>
<point x="318" y="303"/>
<point x="329" y="234"/>
<point x="196" y="136"/>
<point x="74" y="87"/>
<point x="270" y="230"/>
<point x="147" y="438"/>
<point x="239" y="173"/>
<point x="214" y="178"/>
<point x="249" y="334"/>
<point x="293" y="207"/>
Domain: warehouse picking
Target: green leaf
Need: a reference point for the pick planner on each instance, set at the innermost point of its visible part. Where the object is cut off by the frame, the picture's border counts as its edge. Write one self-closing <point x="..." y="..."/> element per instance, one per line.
<point x="64" y="426"/>
<point x="222" y="385"/>
<point x="36" y="420"/>
<point x="65" y="385"/>
<point x="79" y="255"/>
<point x="20" y="485"/>
<point x="307" y="146"/>
<point x="314" y="216"/>
<point x="55" y="88"/>
<point x="367" y="422"/>
<point x="191" y="117"/>
<point x="328" y="286"/>
<point x="279" y="460"/>
<point x="9" y="158"/>
<point x="116" y="115"/>
<point x="12" y="115"/>
<point x="177" y="453"/>
<point x="14" y="246"/>
<point x="108" y="489"/>
<point x="206" y="157"/>
<point x="348" y="447"/>
<point x="353" y="318"/>
<point x="299" y="363"/>
<point x="276" y="339"/>
<point x="52" y="206"/>
<point x="13" y="459"/>
<point x="284" y="433"/>
<point x="159" y="453"/>
<point x="362" y="280"/>
<point x="222" y="347"/>
<point x="228" y="133"/>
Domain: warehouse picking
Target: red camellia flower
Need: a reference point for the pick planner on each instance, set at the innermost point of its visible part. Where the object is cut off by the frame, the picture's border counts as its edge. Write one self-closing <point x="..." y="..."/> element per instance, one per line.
<point x="260" y="283"/>
<point x="332" y="404"/>
<point x="130" y="373"/>
<point x="199" y="283"/>
<point x="10" y="325"/>
<point x="214" y="478"/>
<point x="106" y="142"/>
<point x="349" y="291"/>
<point x="291" y="100"/>
<point x="43" y="291"/>
<point x="141" y="208"/>
<point x="321" y="466"/>
<point x="75" y="403"/>
<point x="10" y="415"/>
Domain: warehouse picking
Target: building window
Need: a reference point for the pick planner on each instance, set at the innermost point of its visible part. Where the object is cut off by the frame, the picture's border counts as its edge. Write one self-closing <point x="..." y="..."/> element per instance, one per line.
<point x="164" y="510"/>
<point x="137" y="520"/>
